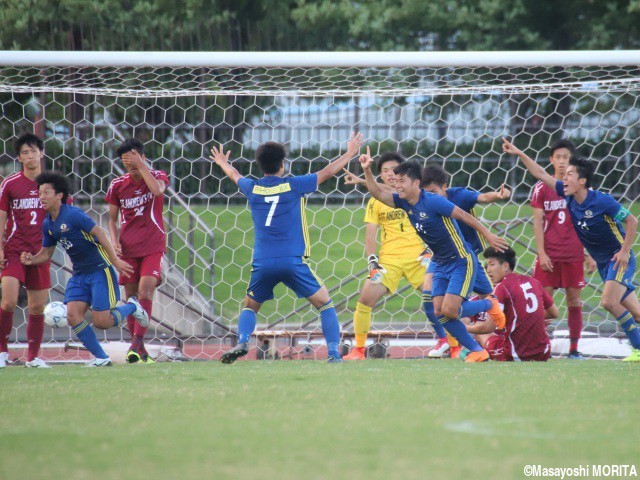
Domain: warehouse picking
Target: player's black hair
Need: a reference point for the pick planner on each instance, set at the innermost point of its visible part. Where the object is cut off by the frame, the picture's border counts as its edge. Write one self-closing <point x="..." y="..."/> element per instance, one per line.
<point x="434" y="174"/>
<point x="508" y="256"/>
<point x="128" y="145"/>
<point x="389" y="157"/>
<point x="28" y="139"/>
<point x="270" y="156"/>
<point x="584" y="168"/>
<point x="57" y="181"/>
<point x="410" y="169"/>
<point x="563" y="143"/>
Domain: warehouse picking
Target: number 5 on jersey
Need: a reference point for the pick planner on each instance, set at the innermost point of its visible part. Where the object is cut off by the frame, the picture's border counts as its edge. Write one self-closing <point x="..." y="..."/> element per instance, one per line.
<point x="274" y="202"/>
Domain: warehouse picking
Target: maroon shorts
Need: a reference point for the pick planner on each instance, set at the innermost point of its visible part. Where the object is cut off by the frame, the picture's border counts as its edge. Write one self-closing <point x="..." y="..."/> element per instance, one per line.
<point x="538" y="357"/>
<point x="36" y="277"/>
<point x="564" y="275"/>
<point x="495" y="346"/>
<point x="149" y="266"/>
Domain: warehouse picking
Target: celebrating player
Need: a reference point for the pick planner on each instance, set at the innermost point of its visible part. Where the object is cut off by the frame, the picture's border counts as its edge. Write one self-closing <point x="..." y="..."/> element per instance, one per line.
<point x="523" y="336"/>
<point x="434" y="217"/>
<point x="435" y="179"/>
<point x="399" y="249"/>
<point x="560" y="254"/>
<point x="94" y="281"/>
<point x="21" y="218"/>
<point x="137" y="199"/>
<point x="281" y="239"/>
<point x="597" y="219"/>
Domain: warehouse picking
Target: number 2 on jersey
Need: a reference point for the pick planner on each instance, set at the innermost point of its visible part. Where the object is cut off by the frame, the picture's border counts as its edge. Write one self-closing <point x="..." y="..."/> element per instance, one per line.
<point x="274" y="202"/>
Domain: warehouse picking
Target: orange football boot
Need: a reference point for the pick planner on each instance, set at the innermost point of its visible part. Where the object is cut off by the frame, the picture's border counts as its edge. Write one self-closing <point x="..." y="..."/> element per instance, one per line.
<point x="480" y="356"/>
<point x="357" y="353"/>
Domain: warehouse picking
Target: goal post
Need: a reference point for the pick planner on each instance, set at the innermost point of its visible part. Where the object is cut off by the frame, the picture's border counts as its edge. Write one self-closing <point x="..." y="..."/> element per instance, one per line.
<point x="451" y="108"/>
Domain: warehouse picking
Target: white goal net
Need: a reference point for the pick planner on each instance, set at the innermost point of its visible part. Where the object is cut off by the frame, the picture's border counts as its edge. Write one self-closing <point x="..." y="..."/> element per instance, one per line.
<point x="451" y="110"/>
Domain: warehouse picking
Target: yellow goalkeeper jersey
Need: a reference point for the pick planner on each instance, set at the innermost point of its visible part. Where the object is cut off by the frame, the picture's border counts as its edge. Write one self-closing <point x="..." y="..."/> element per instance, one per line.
<point x="399" y="238"/>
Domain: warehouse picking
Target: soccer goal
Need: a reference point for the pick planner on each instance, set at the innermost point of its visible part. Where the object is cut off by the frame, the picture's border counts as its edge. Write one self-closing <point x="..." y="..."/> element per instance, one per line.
<point x="449" y="108"/>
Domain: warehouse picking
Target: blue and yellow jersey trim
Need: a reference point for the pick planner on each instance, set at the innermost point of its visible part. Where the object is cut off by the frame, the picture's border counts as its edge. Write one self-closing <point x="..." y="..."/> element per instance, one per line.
<point x="101" y="250"/>
<point x="483" y="242"/>
<point x="462" y="251"/>
<point x="305" y="227"/>
<point x="614" y="228"/>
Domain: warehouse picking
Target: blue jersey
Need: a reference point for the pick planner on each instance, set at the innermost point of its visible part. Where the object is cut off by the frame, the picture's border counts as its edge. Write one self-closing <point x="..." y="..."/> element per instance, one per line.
<point x="431" y="217"/>
<point x="71" y="229"/>
<point x="467" y="199"/>
<point x="278" y="211"/>
<point x="597" y="223"/>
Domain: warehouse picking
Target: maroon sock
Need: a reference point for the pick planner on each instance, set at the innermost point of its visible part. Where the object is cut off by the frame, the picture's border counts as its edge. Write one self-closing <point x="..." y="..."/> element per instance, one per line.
<point x="131" y="325"/>
<point x="6" y="325"/>
<point x="575" y="327"/>
<point x="35" y="331"/>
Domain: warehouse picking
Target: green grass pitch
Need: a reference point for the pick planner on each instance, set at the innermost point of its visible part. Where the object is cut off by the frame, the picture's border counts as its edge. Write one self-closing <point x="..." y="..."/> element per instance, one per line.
<point x="396" y="419"/>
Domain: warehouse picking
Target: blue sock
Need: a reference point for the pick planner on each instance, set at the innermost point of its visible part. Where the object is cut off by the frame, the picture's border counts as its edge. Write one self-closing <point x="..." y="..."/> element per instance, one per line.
<point x="246" y="324"/>
<point x="88" y="338"/>
<point x="469" y="308"/>
<point x="330" y="328"/>
<point x="120" y="314"/>
<point x="458" y="331"/>
<point x="427" y="304"/>
<point x="628" y="324"/>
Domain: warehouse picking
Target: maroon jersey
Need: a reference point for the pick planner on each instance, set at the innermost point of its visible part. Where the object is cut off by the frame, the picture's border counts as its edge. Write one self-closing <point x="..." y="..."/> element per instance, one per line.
<point x="20" y="199"/>
<point x="524" y="301"/>
<point x="560" y="240"/>
<point x="141" y="224"/>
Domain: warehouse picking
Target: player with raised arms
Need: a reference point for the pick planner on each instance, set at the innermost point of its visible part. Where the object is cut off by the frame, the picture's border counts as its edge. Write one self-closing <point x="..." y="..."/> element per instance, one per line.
<point x="435" y="179"/>
<point x="434" y="218"/>
<point x="597" y="218"/>
<point x="94" y="282"/>
<point x="281" y="239"/>
<point x="21" y="216"/>
<point x="400" y="248"/>
<point x="526" y="305"/>
<point x="560" y="259"/>
<point x="136" y="199"/>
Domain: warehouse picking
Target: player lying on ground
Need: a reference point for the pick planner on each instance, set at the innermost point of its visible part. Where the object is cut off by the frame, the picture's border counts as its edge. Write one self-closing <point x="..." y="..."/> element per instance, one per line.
<point x="434" y="217"/>
<point x="21" y="216"/>
<point x="94" y="282"/>
<point x="281" y="239"/>
<point x="597" y="218"/>
<point x="137" y="200"/>
<point x="400" y="248"/>
<point x="523" y="335"/>
<point x="560" y="259"/>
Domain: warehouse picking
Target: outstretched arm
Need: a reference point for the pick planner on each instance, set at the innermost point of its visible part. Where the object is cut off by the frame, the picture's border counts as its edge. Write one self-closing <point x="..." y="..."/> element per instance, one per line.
<point x="353" y="179"/>
<point x="374" y="187"/>
<point x="222" y="160"/>
<point x="535" y="169"/>
<point x="495" y="241"/>
<point x="503" y="194"/>
<point x="353" y="148"/>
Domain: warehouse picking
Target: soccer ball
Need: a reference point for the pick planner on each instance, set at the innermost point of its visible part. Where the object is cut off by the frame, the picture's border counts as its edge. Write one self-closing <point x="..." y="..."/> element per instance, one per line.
<point x="55" y="315"/>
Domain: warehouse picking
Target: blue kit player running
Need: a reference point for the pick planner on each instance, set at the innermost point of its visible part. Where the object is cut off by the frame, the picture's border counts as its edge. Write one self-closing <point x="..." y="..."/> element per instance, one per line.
<point x="435" y="179"/>
<point x="281" y="239"/>
<point x="597" y="219"/>
<point x="434" y="218"/>
<point x="94" y="282"/>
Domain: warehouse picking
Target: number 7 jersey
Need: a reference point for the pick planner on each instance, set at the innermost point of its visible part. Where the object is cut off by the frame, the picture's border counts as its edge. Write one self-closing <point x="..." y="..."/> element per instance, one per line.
<point x="141" y="225"/>
<point x="278" y="212"/>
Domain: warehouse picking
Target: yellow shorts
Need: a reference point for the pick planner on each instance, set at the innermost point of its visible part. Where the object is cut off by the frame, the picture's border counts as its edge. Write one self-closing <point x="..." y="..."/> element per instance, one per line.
<point x="397" y="268"/>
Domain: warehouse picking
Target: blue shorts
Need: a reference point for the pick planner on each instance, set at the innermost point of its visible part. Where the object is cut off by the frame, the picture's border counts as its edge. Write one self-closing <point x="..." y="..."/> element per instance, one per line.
<point x="98" y="289"/>
<point x="294" y="272"/>
<point x="456" y="277"/>
<point x="625" y="277"/>
<point x="481" y="286"/>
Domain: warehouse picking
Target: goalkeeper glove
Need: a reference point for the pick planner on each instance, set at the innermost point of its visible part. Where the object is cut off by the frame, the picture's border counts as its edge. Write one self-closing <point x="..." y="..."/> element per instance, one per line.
<point x="376" y="271"/>
<point x="425" y="257"/>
